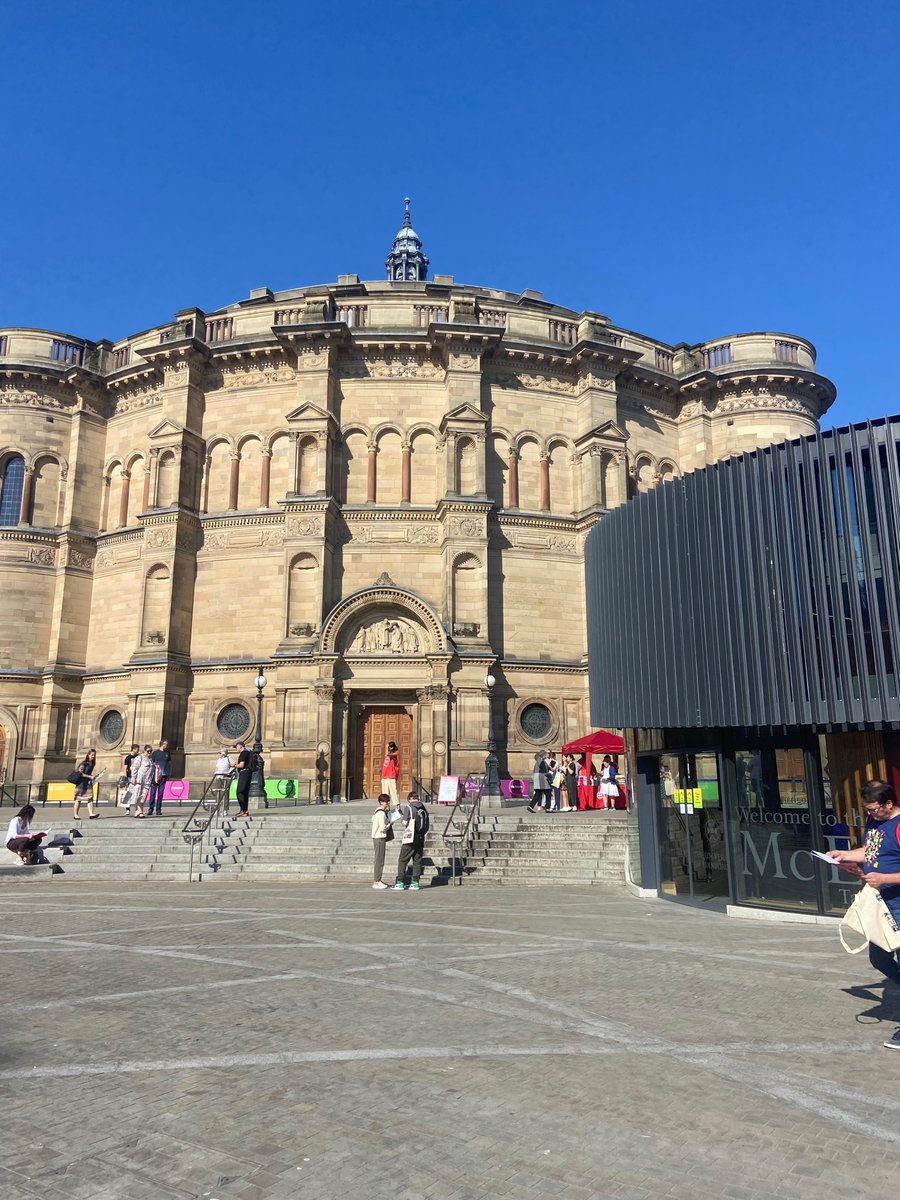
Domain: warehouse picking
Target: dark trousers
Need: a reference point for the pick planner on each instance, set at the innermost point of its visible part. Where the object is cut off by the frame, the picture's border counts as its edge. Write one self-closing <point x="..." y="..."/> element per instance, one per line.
<point x="380" y="845"/>
<point x="411" y="850"/>
<point x="27" y="847"/>
<point x="155" y="795"/>
<point x="243" y="790"/>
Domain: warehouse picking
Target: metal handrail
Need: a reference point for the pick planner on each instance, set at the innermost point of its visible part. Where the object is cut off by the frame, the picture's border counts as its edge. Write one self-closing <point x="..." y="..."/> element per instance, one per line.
<point x="459" y="836"/>
<point x="198" y="824"/>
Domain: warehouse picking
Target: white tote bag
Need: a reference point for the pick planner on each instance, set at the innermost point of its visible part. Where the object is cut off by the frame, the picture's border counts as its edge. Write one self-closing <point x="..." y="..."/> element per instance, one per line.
<point x="869" y="916"/>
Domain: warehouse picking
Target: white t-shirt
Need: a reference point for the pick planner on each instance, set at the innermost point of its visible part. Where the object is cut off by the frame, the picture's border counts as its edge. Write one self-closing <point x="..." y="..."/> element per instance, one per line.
<point x="17" y="828"/>
<point x="223" y="765"/>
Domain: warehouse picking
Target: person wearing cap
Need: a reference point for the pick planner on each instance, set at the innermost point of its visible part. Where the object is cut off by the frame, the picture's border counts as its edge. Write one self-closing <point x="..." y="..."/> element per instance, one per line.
<point x="244" y="768"/>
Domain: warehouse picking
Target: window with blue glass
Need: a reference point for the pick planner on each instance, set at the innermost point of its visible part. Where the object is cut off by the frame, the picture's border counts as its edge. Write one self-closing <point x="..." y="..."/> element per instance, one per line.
<point x="12" y="481"/>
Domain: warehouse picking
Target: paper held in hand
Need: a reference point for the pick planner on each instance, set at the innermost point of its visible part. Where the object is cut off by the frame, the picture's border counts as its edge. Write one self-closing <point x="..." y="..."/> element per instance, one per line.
<point x="850" y="868"/>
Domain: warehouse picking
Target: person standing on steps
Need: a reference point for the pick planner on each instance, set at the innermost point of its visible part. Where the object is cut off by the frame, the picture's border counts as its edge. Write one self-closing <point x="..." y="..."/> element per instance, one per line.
<point x="130" y="759"/>
<point x="161" y="759"/>
<point x="142" y="771"/>
<point x="390" y="772"/>
<point x="416" y="823"/>
<point x="382" y="833"/>
<point x="84" y="788"/>
<point x="244" y="768"/>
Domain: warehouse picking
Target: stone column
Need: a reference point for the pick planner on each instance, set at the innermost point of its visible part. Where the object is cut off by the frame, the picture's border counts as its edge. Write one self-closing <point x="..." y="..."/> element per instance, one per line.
<point x="27" y="497"/>
<point x="513" y="483"/>
<point x="154" y="477"/>
<point x="450" y="464"/>
<point x="264" y="472"/>
<point x="372" y="476"/>
<point x="295" y="464"/>
<point x="405" y="474"/>
<point x="480" y="468"/>
<point x="233" y="481"/>
<point x="544" y="501"/>
<point x="123" y="501"/>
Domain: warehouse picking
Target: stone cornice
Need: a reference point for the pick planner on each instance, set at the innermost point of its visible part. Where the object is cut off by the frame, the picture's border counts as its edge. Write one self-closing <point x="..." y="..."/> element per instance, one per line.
<point x="509" y="666"/>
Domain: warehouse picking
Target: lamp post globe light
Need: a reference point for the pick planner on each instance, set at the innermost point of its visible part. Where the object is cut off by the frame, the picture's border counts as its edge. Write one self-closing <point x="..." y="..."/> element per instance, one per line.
<point x="257" y="793"/>
<point x="490" y="794"/>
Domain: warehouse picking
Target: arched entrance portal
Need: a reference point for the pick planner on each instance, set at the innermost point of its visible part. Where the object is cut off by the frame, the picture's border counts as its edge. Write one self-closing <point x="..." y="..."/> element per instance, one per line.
<point x="374" y="726"/>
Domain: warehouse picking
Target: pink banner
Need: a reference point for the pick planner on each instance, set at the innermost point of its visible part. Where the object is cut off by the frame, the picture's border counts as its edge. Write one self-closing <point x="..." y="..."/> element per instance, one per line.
<point x="177" y="790"/>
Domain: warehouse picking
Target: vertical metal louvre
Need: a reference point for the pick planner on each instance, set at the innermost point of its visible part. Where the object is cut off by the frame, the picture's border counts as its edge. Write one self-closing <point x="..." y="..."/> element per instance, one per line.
<point x="763" y="590"/>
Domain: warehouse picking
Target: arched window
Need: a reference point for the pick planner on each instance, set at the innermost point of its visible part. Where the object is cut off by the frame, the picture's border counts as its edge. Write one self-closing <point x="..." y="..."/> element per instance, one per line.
<point x="155" y="615"/>
<point x="11" y="483"/>
<point x="423" y="469"/>
<point x="302" y="615"/>
<point x="166" y="482"/>
<point x="45" y="500"/>
<point x="468" y="595"/>
<point x="465" y="467"/>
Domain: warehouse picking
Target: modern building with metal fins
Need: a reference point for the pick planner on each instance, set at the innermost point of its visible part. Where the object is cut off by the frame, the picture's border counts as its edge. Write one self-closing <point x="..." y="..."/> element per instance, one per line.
<point x="744" y="623"/>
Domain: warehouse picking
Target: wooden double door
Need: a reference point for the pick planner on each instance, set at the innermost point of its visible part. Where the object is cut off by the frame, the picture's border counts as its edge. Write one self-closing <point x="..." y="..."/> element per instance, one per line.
<point x="375" y="727"/>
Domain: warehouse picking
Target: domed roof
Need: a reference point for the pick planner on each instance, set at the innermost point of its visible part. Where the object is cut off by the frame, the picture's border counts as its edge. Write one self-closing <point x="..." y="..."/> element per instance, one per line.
<point x="406" y="260"/>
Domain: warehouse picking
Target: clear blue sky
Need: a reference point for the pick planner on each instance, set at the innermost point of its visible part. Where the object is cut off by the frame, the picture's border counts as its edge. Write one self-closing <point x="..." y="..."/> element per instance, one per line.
<point x="689" y="169"/>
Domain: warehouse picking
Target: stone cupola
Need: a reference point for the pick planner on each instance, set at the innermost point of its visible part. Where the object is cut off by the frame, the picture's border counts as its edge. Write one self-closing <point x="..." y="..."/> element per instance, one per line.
<point x="406" y="260"/>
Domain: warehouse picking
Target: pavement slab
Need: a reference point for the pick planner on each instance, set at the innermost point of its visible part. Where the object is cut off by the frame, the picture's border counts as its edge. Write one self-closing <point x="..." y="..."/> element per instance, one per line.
<point x="181" y="1042"/>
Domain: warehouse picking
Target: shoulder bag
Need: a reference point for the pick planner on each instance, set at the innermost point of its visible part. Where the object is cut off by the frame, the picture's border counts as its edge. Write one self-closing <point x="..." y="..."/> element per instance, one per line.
<point x="869" y="916"/>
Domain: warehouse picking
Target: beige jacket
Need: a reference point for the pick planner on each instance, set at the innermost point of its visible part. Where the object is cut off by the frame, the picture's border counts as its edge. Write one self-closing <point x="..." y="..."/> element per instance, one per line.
<point x="380" y="823"/>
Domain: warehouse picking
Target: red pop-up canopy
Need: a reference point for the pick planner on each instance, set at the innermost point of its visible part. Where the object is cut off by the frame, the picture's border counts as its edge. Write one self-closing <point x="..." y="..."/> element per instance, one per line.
<point x="599" y="742"/>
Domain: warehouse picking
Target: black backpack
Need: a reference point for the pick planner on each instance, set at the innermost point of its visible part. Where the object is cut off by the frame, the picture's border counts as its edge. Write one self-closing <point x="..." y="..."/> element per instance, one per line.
<point x="421" y="818"/>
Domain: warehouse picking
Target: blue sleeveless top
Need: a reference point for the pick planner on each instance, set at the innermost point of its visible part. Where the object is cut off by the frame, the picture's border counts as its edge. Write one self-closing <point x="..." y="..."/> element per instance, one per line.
<point x="882" y="853"/>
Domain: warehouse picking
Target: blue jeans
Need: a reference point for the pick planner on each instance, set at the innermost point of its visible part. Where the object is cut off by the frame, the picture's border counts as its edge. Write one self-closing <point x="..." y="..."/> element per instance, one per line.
<point x="886" y="961"/>
<point x="155" y="793"/>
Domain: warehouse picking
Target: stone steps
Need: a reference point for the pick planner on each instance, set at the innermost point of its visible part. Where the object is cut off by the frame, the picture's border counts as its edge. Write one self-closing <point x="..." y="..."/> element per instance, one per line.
<point x="311" y="845"/>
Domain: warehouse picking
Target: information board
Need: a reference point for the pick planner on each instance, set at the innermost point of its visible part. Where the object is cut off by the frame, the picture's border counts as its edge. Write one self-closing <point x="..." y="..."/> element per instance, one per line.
<point x="448" y="793"/>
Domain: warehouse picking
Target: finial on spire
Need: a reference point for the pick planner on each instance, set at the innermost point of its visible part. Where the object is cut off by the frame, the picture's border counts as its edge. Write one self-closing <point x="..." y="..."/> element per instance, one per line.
<point x="406" y="218"/>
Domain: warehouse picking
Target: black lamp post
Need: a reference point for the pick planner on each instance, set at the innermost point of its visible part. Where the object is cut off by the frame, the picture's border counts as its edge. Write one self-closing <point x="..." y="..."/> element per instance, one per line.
<point x="257" y="793"/>
<point x="491" y="791"/>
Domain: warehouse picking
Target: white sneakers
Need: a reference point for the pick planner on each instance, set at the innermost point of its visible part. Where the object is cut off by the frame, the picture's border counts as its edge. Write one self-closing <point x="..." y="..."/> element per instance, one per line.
<point x="379" y="886"/>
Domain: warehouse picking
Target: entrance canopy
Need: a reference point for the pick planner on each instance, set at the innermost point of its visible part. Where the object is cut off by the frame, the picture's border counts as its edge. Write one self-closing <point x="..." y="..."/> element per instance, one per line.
<point x="599" y="742"/>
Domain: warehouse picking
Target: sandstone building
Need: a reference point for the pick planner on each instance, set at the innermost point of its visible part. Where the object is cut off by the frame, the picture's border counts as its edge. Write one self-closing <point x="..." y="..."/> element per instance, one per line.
<point x="377" y="490"/>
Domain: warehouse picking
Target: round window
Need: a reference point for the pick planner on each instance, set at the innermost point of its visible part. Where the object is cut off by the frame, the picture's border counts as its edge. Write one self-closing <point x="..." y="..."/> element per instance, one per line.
<point x="536" y="721"/>
<point x="233" y="721"/>
<point x="112" y="726"/>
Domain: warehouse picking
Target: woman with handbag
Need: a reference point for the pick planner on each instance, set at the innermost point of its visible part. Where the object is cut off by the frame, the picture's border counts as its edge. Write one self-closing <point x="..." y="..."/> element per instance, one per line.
<point x="84" y="785"/>
<point x="879" y="857"/>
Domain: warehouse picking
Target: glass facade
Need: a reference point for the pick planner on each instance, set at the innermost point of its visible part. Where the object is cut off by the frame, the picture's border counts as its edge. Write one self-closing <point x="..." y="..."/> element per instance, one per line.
<point x="737" y="821"/>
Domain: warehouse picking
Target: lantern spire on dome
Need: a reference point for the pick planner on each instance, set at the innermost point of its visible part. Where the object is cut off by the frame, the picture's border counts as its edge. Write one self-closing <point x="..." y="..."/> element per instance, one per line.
<point x="406" y="260"/>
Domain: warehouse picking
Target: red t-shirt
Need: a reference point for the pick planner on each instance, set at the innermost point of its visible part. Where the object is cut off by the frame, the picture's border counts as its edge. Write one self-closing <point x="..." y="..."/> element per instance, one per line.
<point x="390" y="768"/>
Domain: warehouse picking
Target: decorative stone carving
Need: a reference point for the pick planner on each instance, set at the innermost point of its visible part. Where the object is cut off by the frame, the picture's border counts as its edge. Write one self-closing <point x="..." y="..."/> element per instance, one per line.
<point x="155" y="637"/>
<point x="385" y="636"/>
<point x="302" y="630"/>
<point x="423" y="535"/>
<point x="13" y="395"/>
<point x="466" y="527"/>
<point x="401" y="365"/>
<point x="304" y="527"/>
<point x="248" y="375"/>
<point x="324" y="691"/>
<point x="160" y="537"/>
<point x="534" y="381"/>
<point x="83" y="562"/>
<point x="466" y="629"/>
<point x="216" y="539"/>
<point x="564" y="544"/>
<point x="42" y="556"/>
<point x="105" y="559"/>
<point x="384" y="580"/>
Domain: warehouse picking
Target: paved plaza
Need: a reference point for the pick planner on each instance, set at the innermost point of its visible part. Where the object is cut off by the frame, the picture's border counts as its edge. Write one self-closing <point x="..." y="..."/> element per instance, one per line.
<point x="169" y="1042"/>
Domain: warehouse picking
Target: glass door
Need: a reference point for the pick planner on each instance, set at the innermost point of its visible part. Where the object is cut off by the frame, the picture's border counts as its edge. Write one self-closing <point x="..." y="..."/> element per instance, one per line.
<point x="691" y="833"/>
